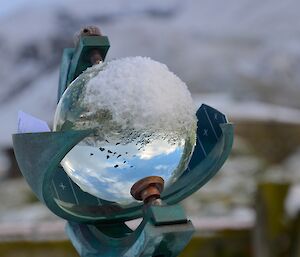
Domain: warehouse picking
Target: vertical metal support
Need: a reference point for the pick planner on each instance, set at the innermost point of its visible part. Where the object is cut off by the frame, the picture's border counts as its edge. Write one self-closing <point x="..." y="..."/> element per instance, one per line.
<point x="64" y="70"/>
<point x="90" y="48"/>
<point x="165" y="231"/>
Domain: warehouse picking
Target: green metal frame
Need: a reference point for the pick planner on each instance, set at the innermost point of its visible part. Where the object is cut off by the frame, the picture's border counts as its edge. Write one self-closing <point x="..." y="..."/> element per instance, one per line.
<point x="76" y="60"/>
<point x="41" y="167"/>
<point x="159" y="234"/>
<point x="97" y="227"/>
<point x="164" y="231"/>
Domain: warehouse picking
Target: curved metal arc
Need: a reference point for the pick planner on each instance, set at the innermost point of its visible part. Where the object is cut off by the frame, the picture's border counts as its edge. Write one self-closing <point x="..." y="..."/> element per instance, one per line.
<point x="215" y="167"/>
<point x="204" y="171"/>
<point x="228" y="129"/>
<point x="39" y="154"/>
<point x="47" y="192"/>
<point x="59" y="143"/>
<point x="87" y="239"/>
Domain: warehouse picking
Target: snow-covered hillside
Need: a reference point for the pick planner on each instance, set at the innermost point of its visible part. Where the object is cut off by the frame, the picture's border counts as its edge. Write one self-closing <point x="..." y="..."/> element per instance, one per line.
<point x="247" y="49"/>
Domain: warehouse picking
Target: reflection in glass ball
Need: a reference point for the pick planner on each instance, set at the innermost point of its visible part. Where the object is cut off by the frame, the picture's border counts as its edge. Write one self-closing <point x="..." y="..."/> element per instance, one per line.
<point x="143" y="122"/>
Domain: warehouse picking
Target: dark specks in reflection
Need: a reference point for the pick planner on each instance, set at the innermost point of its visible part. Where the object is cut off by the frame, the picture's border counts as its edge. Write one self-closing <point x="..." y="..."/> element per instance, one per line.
<point x="123" y="165"/>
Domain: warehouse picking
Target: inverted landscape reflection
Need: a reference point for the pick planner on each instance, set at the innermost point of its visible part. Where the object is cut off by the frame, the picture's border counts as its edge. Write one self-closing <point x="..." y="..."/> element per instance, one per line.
<point x="109" y="170"/>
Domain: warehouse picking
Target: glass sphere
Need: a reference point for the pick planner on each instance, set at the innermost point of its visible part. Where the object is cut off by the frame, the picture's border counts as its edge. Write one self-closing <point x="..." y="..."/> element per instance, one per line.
<point x="119" y="152"/>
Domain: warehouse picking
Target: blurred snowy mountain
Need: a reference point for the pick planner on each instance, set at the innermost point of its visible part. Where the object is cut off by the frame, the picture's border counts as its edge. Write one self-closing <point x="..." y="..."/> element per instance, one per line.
<point x="247" y="49"/>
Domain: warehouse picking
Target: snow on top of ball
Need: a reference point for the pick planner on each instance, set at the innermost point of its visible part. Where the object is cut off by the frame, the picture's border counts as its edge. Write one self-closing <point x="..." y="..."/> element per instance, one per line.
<point x="142" y="94"/>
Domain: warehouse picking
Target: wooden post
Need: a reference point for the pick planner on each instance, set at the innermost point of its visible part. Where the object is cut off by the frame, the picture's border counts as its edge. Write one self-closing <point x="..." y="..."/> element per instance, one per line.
<point x="271" y="231"/>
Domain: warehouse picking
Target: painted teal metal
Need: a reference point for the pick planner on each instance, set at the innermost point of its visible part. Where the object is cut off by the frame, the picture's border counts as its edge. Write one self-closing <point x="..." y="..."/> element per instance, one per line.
<point x="151" y="238"/>
<point x="95" y="226"/>
<point x="75" y="60"/>
<point x="41" y="167"/>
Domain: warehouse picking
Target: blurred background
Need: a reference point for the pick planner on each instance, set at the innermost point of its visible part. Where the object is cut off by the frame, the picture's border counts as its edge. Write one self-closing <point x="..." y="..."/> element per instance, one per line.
<point x="239" y="56"/>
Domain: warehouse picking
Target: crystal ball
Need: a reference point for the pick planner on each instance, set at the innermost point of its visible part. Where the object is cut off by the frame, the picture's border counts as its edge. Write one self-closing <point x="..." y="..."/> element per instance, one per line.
<point x="143" y="121"/>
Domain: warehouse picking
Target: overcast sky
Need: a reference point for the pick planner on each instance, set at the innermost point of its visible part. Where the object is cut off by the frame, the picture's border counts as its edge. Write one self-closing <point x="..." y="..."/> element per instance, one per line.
<point x="9" y="6"/>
